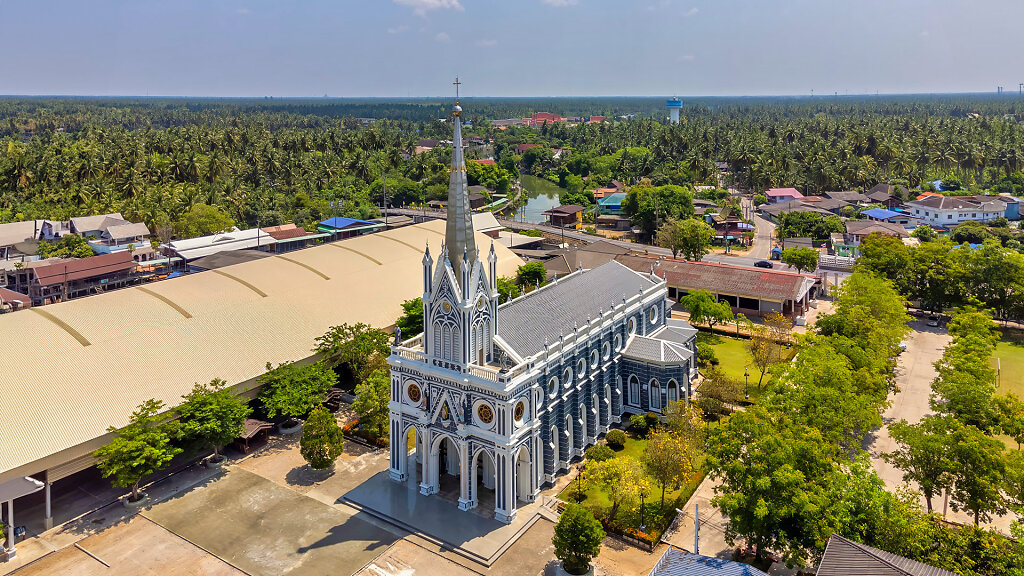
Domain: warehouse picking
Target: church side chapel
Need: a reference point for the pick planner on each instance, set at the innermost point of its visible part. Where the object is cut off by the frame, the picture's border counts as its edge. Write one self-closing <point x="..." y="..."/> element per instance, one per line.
<point x="499" y="398"/>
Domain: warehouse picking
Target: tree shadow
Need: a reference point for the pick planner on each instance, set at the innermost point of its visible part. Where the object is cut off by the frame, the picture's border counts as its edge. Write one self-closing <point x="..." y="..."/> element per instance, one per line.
<point x="305" y="476"/>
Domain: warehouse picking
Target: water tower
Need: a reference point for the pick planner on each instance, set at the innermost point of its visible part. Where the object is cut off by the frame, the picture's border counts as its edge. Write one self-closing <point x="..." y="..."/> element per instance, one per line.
<point x="674" y="106"/>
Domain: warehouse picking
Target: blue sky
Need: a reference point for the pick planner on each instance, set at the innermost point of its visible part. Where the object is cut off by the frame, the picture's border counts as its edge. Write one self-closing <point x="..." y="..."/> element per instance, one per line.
<point x="508" y="47"/>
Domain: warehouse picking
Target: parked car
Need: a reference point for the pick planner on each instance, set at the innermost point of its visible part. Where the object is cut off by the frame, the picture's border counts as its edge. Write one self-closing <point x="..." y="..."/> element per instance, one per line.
<point x="763" y="264"/>
<point x="933" y="320"/>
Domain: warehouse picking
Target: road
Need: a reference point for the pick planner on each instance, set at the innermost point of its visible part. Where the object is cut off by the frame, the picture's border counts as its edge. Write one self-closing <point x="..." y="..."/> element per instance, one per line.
<point x="914" y="375"/>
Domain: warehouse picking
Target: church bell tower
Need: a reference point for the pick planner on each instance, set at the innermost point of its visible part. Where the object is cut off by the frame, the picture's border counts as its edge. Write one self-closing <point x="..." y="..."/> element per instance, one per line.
<point x="460" y="295"/>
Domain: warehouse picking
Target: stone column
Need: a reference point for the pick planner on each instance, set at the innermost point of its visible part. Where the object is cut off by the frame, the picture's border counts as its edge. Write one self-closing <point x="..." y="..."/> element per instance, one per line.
<point x="467" y="480"/>
<point x="399" y="455"/>
<point x="504" y="491"/>
<point x="428" y="481"/>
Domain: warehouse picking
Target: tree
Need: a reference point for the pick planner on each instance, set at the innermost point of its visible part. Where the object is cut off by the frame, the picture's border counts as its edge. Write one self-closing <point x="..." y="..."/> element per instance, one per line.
<point x="669" y="459"/>
<point x="411" y="321"/>
<point x="202" y="220"/>
<point x="965" y="387"/>
<point x="508" y="289"/>
<point x="360" y="346"/>
<point x="531" y="274"/>
<point x="371" y="403"/>
<point x="1011" y="417"/>
<point x="616" y="438"/>
<point x="622" y="479"/>
<point x="577" y="539"/>
<point x="801" y="258"/>
<point x="141" y="448"/>
<point x="68" y="246"/>
<point x="977" y="473"/>
<point x="703" y="308"/>
<point x="765" y="352"/>
<point x="923" y="454"/>
<point x="322" y="440"/>
<point x="212" y="414"/>
<point x="971" y="232"/>
<point x="686" y="420"/>
<point x="292" y="390"/>
<point x="673" y="235"/>
<point x="886" y="256"/>
<point x="690" y="237"/>
<point x="924" y="233"/>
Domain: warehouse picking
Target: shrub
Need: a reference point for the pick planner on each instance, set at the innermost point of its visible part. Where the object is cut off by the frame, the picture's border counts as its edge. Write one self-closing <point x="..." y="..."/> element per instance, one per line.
<point x="599" y="452"/>
<point x="706" y="356"/>
<point x="652" y="420"/>
<point x="639" y="424"/>
<point x="577" y="539"/>
<point x="615" y="438"/>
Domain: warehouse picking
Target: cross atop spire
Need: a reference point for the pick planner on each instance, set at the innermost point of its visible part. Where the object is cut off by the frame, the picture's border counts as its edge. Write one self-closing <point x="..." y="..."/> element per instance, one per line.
<point x="459" y="229"/>
<point x="457" y="84"/>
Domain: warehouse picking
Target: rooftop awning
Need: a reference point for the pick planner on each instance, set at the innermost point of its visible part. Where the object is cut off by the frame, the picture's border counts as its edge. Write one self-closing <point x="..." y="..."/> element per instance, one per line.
<point x="19" y="487"/>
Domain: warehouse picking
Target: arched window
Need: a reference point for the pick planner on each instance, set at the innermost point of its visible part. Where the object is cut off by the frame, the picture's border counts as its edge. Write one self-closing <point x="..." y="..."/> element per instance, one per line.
<point x="655" y="395"/>
<point x="634" y="390"/>
<point x="567" y="377"/>
<point x="673" y="391"/>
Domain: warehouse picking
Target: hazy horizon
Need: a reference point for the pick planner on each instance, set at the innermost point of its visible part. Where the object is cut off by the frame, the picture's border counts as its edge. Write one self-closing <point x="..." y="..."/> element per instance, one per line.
<point x="528" y="48"/>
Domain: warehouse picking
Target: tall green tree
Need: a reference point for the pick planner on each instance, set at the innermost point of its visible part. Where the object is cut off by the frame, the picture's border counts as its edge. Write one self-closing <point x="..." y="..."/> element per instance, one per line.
<point x="212" y="414"/>
<point x="360" y="346"/>
<point x="322" y="440"/>
<point x="531" y="274"/>
<point x="703" y="308"/>
<point x="411" y="321"/>
<point x="924" y="454"/>
<point x="801" y="258"/>
<point x="977" y="473"/>
<point x="202" y="220"/>
<point x="292" y="389"/>
<point x="140" y="449"/>
<point x="669" y="459"/>
<point x="371" y="403"/>
<point x="622" y="479"/>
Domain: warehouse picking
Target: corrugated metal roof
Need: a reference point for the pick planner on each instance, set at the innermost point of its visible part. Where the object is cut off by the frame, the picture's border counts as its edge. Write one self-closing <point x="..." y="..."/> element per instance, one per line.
<point x="140" y="347"/>
<point x="845" y="557"/>
<point x="676" y="562"/>
<point x="68" y="270"/>
<point x="542" y="315"/>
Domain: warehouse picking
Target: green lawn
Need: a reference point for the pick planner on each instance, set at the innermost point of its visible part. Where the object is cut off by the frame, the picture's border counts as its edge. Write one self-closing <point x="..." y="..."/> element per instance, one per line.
<point x="733" y="358"/>
<point x="1011" y="358"/>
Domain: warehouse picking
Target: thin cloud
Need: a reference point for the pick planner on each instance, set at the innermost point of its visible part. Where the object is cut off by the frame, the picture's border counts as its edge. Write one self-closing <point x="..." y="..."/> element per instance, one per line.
<point x="487" y="43"/>
<point x="687" y="58"/>
<point x="691" y="12"/>
<point x="421" y="7"/>
<point x="442" y="37"/>
<point x="560" y="3"/>
<point x="398" y="29"/>
<point x="243" y="11"/>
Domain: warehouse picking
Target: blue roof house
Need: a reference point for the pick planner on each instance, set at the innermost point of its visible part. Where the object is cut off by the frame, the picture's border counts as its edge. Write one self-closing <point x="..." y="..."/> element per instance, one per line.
<point x="340" y="227"/>
<point x="884" y="215"/>
<point x="612" y="204"/>
<point x="676" y="562"/>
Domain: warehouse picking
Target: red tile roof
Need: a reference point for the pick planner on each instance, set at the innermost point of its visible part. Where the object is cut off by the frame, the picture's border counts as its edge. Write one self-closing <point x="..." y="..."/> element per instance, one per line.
<point x="770" y="285"/>
<point x="84" y="268"/>
<point x="486" y="161"/>
<point x="776" y="192"/>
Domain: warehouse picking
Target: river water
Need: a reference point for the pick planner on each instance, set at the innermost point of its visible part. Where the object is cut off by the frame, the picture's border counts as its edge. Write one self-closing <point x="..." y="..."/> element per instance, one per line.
<point x="542" y="196"/>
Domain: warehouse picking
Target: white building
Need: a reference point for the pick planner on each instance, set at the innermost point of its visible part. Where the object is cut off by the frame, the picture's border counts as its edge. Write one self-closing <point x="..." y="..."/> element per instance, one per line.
<point x="948" y="211"/>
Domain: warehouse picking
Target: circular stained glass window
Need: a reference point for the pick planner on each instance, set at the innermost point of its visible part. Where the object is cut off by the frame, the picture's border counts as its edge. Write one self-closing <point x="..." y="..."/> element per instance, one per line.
<point x="520" y="411"/>
<point x="447" y="307"/>
<point x="413" y="392"/>
<point x="485" y="414"/>
<point x="480" y="304"/>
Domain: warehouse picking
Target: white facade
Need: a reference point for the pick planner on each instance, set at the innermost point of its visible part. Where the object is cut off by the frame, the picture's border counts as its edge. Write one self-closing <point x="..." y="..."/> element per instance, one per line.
<point x="950" y="212"/>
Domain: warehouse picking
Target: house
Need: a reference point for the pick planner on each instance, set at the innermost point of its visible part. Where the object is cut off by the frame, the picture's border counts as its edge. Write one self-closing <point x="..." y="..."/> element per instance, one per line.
<point x="888" y="195"/>
<point x="19" y="238"/>
<point x="948" y="211"/>
<point x="109" y="233"/>
<point x="56" y="280"/>
<point x="700" y="205"/>
<point x="678" y="562"/>
<point x="611" y="204"/>
<point x="857" y="230"/>
<point x="722" y="167"/>
<point x="777" y="195"/>
<point x="849" y="196"/>
<point x="827" y="204"/>
<point x="486" y="223"/>
<point x="340" y="227"/>
<point x="479" y="197"/>
<point x="752" y="291"/>
<point x="484" y="162"/>
<point x="884" y="215"/>
<point x="1012" y="211"/>
<point x="615" y="222"/>
<point x="595" y="120"/>
<point x="524" y="147"/>
<point x="291" y="237"/>
<point x="567" y="215"/>
<point x="193" y="248"/>
<point x="844" y="557"/>
<point x="587" y="256"/>
<point x="772" y="211"/>
<point x="11" y="301"/>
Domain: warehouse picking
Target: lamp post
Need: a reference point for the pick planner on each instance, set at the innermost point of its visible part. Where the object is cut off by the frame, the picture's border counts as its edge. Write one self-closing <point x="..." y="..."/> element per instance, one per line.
<point x="643" y="527"/>
<point x="746" y="385"/>
<point x="579" y="483"/>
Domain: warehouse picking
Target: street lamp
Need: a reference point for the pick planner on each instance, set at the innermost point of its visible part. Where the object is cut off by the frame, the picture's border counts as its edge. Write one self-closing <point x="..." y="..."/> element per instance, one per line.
<point x="643" y="527"/>
<point x="579" y="483"/>
<point x="746" y="385"/>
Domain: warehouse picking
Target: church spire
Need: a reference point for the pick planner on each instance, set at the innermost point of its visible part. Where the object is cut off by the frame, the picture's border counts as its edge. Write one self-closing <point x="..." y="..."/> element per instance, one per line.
<point x="459" y="232"/>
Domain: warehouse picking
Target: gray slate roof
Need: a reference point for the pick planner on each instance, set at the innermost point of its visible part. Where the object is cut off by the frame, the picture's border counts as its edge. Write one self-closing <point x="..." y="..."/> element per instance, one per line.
<point x="677" y="562"/>
<point x="525" y="323"/>
<point x="666" y="345"/>
<point x="848" y="558"/>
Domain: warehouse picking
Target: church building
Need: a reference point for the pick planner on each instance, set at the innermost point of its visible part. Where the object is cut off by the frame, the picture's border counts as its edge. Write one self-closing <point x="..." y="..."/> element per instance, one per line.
<point x="499" y="397"/>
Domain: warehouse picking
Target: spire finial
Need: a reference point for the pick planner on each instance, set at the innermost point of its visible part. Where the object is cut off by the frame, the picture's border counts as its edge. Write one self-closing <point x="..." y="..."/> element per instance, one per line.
<point x="458" y="109"/>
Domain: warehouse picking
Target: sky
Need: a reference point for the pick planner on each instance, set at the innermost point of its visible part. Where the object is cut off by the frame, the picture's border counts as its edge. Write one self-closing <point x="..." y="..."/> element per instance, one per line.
<point x="409" y="48"/>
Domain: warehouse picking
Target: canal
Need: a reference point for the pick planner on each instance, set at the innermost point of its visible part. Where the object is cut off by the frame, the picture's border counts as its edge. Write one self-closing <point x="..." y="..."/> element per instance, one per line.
<point x="541" y="194"/>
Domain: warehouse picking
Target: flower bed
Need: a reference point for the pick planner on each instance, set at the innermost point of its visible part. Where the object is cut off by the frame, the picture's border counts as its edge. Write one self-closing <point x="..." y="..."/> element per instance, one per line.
<point x="352" y="430"/>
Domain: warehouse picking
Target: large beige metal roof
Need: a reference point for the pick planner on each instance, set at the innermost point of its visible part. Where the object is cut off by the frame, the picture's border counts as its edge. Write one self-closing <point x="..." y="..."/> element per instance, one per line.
<point x="70" y="370"/>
